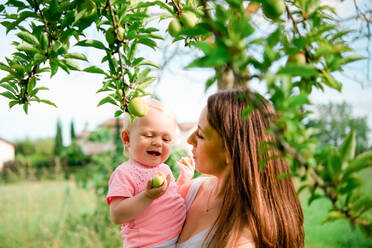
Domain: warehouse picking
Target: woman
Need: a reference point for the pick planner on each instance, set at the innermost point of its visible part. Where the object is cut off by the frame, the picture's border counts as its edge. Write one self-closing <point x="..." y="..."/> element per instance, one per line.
<point x="243" y="204"/>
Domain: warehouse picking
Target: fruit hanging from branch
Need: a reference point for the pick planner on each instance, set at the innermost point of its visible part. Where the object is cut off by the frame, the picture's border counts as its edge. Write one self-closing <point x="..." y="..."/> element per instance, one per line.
<point x="188" y="19"/>
<point x="273" y="9"/>
<point x="174" y="27"/>
<point x="138" y="107"/>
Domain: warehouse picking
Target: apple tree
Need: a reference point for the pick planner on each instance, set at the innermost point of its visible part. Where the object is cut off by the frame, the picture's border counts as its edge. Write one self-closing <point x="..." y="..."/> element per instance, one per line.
<point x="298" y="46"/>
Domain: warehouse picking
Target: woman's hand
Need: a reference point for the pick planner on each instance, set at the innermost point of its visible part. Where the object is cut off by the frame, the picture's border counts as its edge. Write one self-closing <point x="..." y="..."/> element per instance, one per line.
<point x="152" y="192"/>
<point x="187" y="168"/>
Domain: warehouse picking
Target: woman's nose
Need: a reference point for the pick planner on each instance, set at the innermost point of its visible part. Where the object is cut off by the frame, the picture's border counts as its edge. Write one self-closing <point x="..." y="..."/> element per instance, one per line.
<point x="191" y="139"/>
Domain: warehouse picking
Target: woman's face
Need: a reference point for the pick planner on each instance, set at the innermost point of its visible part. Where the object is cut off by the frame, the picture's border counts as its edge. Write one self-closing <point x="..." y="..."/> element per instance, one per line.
<point x="209" y="152"/>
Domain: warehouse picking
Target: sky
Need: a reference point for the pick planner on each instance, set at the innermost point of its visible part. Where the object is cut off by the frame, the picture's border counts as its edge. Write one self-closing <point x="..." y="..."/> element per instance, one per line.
<point x="180" y="89"/>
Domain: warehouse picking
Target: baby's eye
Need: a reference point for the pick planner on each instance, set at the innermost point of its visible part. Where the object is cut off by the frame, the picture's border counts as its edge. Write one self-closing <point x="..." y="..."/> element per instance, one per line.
<point x="147" y="135"/>
<point x="166" y="139"/>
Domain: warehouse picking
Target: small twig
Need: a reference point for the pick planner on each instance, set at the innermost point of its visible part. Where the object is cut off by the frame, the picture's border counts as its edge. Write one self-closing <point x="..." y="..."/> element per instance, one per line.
<point x="50" y="35"/>
<point x="178" y="7"/>
<point x="115" y="27"/>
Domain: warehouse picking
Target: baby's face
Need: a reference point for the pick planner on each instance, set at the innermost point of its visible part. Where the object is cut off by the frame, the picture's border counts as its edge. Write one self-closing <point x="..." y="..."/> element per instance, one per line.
<point x="151" y="138"/>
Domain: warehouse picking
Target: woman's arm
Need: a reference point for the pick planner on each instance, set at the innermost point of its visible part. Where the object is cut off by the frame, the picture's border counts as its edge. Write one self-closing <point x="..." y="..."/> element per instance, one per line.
<point x="123" y="210"/>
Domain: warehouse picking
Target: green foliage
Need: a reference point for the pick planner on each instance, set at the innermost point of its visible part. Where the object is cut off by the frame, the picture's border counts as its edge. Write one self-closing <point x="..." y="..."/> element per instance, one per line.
<point x="335" y="120"/>
<point x="28" y="147"/>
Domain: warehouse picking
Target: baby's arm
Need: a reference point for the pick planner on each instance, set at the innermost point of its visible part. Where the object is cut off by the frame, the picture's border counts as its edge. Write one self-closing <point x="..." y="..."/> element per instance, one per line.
<point x="187" y="167"/>
<point x="123" y="210"/>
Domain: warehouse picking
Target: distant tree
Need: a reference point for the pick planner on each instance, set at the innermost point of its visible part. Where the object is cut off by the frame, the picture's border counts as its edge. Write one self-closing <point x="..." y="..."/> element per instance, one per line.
<point x="72" y="132"/>
<point x="58" y="139"/>
<point x="335" y="121"/>
<point x="117" y="140"/>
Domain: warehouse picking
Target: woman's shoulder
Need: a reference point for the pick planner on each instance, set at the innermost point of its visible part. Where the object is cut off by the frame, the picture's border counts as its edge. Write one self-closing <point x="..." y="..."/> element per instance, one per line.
<point x="184" y="188"/>
<point x="245" y="240"/>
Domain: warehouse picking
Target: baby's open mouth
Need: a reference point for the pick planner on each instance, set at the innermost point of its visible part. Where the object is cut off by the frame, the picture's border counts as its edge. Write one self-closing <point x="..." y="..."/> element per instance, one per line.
<point x="154" y="153"/>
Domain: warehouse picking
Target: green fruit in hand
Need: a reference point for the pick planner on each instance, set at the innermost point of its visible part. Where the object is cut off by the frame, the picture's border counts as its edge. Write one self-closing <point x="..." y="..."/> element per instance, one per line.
<point x="174" y="27"/>
<point x="188" y="19"/>
<point x="158" y="180"/>
<point x="138" y="107"/>
<point x="273" y="9"/>
<point x="110" y="36"/>
<point x="297" y="58"/>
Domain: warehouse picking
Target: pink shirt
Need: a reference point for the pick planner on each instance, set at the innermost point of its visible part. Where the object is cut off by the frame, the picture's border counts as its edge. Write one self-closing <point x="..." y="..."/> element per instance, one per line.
<point x="162" y="220"/>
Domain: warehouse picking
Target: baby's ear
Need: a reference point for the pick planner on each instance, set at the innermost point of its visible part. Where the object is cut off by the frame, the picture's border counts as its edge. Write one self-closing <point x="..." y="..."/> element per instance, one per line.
<point x="125" y="137"/>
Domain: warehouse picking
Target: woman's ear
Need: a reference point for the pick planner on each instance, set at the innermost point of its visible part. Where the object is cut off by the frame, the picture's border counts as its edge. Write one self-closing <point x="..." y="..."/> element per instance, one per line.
<point x="125" y="137"/>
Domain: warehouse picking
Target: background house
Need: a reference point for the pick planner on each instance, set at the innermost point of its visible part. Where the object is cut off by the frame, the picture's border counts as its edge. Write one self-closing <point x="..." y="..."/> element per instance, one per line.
<point x="7" y="152"/>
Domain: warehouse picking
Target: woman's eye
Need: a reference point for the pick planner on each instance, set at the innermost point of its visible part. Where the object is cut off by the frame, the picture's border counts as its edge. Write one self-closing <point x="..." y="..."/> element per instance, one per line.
<point x="198" y="135"/>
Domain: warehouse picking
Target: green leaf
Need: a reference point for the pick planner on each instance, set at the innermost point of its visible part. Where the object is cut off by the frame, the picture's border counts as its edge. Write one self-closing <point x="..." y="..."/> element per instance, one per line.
<point x="362" y="161"/>
<point x="350" y="58"/>
<point x="53" y="66"/>
<point x="4" y="67"/>
<point x="48" y="102"/>
<point x="366" y="229"/>
<point x="71" y="64"/>
<point x="274" y="37"/>
<point x="44" y="41"/>
<point x="215" y="59"/>
<point x="333" y="216"/>
<point x="95" y="69"/>
<point x="147" y="42"/>
<point x="149" y="63"/>
<point x="329" y="80"/>
<point x="298" y="100"/>
<point x="9" y="95"/>
<point x="106" y="100"/>
<point x="12" y="103"/>
<point x="350" y="185"/>
<point x="31" y="84"/>
<point x="91" y="43"/>
<point x="347" y="151"/>
<point x="8" y="87"/>
<point x="29" y="38"/>
<point x="76" y="56"/>
<point x="27" y="48"/>
<point x="25" y="108"/>
<point x="118" y="113"/>
<point x="305" y="70"/>
<point x="205" y="47"/>
<point x="313" y="197"/>
<point x="35" y="91"/>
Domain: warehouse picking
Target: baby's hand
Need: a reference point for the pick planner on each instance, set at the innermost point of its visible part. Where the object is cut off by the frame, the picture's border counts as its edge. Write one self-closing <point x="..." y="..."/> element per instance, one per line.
<point x="153" y="191"/>
<point x="187" y="167"/>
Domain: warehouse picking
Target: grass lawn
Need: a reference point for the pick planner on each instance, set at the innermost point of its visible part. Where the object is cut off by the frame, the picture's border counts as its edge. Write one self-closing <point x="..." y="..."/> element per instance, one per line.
<point x="39" y="214"/>
<point x="336" y="234"/>
<point x="33" y="214"/>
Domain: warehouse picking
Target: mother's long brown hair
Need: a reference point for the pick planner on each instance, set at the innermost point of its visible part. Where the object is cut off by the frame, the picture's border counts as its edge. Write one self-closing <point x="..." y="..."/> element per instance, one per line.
<point x="254" y="196"/>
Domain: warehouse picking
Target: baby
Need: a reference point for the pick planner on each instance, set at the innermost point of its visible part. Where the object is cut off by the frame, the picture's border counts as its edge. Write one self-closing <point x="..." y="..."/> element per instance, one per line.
<point x="151" y="216"/>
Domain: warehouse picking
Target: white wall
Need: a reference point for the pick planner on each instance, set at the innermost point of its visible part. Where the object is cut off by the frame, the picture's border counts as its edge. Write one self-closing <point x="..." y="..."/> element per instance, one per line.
<point x="6" y="152"/>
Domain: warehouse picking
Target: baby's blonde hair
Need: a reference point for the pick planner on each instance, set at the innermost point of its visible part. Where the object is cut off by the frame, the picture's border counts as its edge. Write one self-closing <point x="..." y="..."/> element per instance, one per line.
<point x="152" y="104"/>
